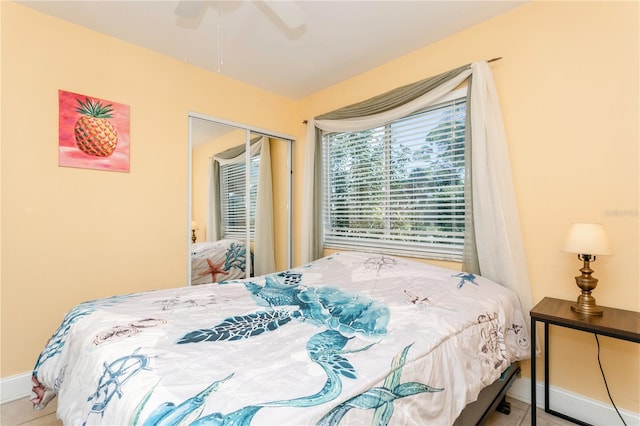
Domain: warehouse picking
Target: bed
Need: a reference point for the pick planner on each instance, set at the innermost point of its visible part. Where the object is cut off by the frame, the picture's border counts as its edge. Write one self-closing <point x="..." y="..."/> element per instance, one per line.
<point x="352" y="338"/>
<point x="218" y="261"/>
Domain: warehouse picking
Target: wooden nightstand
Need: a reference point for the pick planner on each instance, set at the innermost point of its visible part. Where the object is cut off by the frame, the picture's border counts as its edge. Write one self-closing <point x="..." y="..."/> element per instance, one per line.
<point x="616" y="323"/>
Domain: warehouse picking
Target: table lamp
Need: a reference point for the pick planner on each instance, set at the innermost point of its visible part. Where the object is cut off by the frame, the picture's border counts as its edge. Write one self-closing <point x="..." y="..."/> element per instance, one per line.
<point x="587" y="240"/>
<point x="194" y="227"/>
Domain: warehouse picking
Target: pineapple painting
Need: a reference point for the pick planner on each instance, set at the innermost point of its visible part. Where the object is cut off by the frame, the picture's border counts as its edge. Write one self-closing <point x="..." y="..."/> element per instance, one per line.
<point x="93" y="133"/>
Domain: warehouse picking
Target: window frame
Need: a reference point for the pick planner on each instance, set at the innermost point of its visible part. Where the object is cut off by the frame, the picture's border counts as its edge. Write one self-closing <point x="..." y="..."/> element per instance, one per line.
<point x="239" y="232"/>
<point x="435" y="250"/>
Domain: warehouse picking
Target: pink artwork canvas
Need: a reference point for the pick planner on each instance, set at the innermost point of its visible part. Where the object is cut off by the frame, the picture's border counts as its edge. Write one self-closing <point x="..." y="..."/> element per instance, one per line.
<point x="93" y="133"/>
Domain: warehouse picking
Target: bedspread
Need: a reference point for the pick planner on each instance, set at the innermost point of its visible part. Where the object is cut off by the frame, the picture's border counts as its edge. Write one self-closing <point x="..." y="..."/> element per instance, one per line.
<point x="352" y="338"/>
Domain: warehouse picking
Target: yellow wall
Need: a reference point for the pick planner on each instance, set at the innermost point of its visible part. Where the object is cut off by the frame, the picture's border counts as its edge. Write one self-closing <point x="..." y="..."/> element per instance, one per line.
<point x="70" y="235"/>
<point x="569" y="91"/>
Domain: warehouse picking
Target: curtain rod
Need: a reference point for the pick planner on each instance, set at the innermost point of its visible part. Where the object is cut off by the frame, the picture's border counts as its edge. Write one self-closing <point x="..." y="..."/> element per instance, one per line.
<point x="488" y="61"/>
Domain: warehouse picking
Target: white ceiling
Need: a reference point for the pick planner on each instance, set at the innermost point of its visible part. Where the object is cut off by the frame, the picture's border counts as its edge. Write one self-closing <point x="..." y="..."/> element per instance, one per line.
<point x="246" y="41"/>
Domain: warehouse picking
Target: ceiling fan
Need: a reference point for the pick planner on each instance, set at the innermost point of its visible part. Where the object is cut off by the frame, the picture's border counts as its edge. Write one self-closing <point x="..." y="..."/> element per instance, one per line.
<point x="286" y="11"/>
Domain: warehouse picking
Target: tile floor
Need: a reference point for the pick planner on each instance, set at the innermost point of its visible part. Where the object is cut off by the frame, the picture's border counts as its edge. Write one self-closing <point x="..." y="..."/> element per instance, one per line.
<point x="20" y="413"/>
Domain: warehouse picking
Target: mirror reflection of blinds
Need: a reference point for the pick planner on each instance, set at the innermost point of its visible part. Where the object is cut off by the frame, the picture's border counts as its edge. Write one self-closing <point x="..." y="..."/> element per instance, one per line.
<point x="399" y="187"/>
<point x="233" y="198"/>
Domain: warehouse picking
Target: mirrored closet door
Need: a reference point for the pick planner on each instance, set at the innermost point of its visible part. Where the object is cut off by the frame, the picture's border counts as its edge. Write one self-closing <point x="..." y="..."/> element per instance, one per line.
<point x="239" y="200"/>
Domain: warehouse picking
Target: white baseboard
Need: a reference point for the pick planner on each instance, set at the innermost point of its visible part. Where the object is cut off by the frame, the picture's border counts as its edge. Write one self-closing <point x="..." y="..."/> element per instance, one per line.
<point x="15" y="387"/>
<point x="571" y="404"/>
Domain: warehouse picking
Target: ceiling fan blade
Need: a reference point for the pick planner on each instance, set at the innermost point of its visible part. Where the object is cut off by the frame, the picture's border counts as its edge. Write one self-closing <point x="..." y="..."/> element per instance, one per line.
<point x="189" y="9"/>
<point x="288" y="12"/>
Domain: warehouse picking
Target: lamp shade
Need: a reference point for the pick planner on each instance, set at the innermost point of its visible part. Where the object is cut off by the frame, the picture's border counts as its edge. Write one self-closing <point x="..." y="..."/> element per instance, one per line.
<point x="587" y="238"/>
<point x="194" y="225"/>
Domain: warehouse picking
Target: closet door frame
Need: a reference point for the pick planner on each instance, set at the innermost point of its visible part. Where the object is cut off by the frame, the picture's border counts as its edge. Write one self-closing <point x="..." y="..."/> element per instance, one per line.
<point x="250" y="130"/>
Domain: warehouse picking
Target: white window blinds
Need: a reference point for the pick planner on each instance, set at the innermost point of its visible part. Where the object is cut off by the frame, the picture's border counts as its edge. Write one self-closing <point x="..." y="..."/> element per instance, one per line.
<point x="400" y="187"/>
<point x="233" y="201"/>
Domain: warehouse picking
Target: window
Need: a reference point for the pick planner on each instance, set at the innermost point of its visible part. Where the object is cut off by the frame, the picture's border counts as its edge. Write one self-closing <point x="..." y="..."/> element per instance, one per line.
<point x="233" y="198"/>
<point x="400" y="187"/>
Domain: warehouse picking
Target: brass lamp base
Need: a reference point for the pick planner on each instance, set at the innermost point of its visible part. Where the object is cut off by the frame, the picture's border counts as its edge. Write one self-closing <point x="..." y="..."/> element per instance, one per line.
<point x="193" y="236"/>
<point x="586" y="303"/>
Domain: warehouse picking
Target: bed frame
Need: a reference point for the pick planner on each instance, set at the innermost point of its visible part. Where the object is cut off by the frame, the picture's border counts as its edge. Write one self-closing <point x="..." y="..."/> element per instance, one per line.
<point x="490" y="399"/>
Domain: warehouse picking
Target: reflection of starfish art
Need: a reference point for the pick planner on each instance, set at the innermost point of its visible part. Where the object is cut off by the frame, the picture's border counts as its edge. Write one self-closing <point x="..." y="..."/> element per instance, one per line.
<point x="380" y="263"/>
<point x="214" y="269"/>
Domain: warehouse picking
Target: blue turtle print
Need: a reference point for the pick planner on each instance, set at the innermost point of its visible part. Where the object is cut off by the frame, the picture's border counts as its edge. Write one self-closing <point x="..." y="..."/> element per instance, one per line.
<point x="342" y="314"/>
